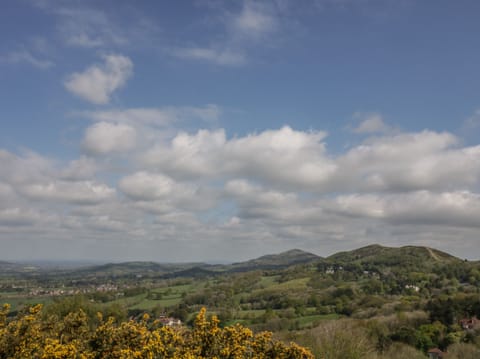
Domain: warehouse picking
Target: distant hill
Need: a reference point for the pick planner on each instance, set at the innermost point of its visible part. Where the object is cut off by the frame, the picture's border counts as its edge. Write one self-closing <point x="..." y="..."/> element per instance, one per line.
<point x="169" y="270"/>
<point x="6" y="265"/>
<point x="408" y="256"/>
<point x="11" y="268"/>
<point x="373" y="256"/>
<point x="135" y="268"/>
<point x="274" y="261"/>
<point x="200" y="271"/>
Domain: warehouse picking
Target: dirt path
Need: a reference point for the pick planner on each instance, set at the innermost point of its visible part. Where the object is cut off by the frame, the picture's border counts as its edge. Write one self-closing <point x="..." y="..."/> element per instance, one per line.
<point x="434" y="256"/>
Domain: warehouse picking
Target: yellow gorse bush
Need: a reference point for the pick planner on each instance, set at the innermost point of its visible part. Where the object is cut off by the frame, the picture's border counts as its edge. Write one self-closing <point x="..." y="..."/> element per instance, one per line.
<point x="31" y="335"/>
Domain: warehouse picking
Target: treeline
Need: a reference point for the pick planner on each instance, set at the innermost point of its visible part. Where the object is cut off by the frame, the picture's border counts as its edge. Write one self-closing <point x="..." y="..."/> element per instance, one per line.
<point x="393" y="337"/>
<point x="74" y="327"/>
<point x="358" y="290"/>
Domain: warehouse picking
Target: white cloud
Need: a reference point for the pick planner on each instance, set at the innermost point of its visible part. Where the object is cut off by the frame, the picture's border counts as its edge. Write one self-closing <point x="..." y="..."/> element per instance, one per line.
<point x="414" y="161"/>
<point x="370" y="123"/>
<point x="131" y="116"/>
<point x="246" y="191"/>
<point x="273" y="208"/>
<point x="34" y="177"/>
<point x="84" y="27"/>
<point x="135" y="130"/>
<point x="269" y="154"/>
<point x="82" y="192"/>
<point x="160" y="117"/>
<point x="240" y="32"/>
<point x="471" y="125"/>
<point x="26" y="168"/>
<point x="91" y="28"/>
<point x="283" y="157"/>
<point x="105" y="223"/>
<point x="97" y="83"/>
<point x="18" y="217"/>
<point x="5" y="190"/>
<point x="254" y="21"/>
<point x="189" y="155"/>
<point x="146" y="186"/>
<point x="218" y="56"/>
<point x="160" y="194"/>
<point x="79" y="169"/>
<point x="277" y="188"/>
<point x="103" y="138"/>
<point x="458" y="208"/>
<point x="26" y="57"/>
<point x="299" y="160"/>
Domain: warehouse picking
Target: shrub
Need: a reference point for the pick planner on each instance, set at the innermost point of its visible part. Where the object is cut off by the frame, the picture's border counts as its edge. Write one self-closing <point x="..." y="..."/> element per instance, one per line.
<point x="31" y="335"/>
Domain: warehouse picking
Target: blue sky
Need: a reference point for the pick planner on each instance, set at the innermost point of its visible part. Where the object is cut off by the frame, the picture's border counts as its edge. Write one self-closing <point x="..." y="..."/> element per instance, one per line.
<point x="220" y="130"/>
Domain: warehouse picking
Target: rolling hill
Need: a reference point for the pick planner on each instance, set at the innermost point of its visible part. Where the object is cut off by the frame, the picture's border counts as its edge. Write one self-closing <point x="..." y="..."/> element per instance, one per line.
<point x="422" y="258"/>
<point x="274" y="261"/>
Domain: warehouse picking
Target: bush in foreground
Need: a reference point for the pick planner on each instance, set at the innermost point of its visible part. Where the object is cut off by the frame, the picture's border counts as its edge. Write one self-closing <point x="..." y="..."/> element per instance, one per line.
<point x="32" y="335"/>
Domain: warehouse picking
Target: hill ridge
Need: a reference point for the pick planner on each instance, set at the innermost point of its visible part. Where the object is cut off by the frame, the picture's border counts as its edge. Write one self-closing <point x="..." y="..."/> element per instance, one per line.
<point x="273" y="261"/>
<point x="382" y="258"/>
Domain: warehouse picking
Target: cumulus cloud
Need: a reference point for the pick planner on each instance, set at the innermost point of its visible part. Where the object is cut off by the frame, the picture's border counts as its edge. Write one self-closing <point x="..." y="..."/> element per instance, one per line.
<point x="299" y="160"/>
<point x="187" y="154"/>
<point x="28" y="167"/>
<point x="160" y="194"/>
<point x="82" y="192"/>
<point x="146" y="186"/>
<point x="97" y="83"/>
<point x="256" y="202"/>
<point x="264" y="156"/>
<point x="269" y="153"/>
<point x="131" y="131"/>
<point x="104" y="137"/>
<point x="79" y="169"/>
<point x="18" y="217"/>
<point x="412" y="161"/>
<point x="31" y="177"/>
<point x="458" y="208"/>
<point x="106" y="224"/>
<point x="277" y="188"/>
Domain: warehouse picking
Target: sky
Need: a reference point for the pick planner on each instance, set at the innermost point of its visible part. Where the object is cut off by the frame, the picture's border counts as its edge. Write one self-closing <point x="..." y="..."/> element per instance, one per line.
<point x="205" y="130"/>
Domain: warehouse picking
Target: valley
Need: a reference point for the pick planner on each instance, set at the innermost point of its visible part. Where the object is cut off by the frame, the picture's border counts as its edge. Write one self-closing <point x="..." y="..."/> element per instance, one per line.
<point x="412" y="296"/>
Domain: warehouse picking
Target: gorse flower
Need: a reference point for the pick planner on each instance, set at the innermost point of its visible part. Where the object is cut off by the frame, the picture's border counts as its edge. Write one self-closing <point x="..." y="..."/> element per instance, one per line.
<point x="33" y="335"/>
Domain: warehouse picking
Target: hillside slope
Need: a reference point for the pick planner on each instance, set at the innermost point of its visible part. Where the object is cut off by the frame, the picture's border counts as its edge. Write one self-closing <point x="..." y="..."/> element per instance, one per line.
<point x="274" y="261"/>
<point x="408" y="256"/>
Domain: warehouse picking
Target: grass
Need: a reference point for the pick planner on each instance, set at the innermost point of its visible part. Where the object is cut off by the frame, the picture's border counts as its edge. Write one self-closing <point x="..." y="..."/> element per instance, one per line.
<point x="293" y="284"/>
<point x="17" y="303"/>
<point x="251" y="313"/>
<point x="268" y="281"/>
<point x="170" y="296"/>
<point x="148" y="304"/>
<point x="309" y="320"/>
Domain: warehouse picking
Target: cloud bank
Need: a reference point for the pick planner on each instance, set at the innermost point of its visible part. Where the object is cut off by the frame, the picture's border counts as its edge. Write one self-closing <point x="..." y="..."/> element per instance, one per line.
<point x="278" y="188"/>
